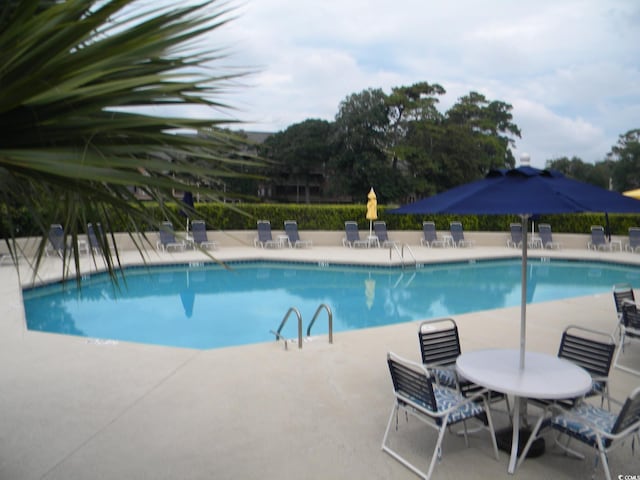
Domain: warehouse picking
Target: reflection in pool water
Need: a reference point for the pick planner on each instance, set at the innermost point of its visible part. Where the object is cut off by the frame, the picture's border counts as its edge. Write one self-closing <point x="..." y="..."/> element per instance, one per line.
<point x="206" y="306"/>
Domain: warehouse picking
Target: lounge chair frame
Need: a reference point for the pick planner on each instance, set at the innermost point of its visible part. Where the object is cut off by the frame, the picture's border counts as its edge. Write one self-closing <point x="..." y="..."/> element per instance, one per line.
<point x="436" y="406"/>
<point x="598" y="239"/>
<point x="457" y="235"/>
<point x="430" y="236"/>
<point x="546" y="237"/>
<point x="167" y="240"/>
<point x="633" y="244"/>
<point x="352" y="236"/>
<point x="380" y="231"/>
<point x="293" y="236"/>
<point x="199" y="235"/>
<point x="515" y="235"/>
<point x="264" y="238"/>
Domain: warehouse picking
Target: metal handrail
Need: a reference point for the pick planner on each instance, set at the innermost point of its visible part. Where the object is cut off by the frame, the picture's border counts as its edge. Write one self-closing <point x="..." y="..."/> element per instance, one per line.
<point x="401" y="253"/>
<point x="330" y="318"/>
<point x="410" y="253"/>
<point x="284" y="320"/>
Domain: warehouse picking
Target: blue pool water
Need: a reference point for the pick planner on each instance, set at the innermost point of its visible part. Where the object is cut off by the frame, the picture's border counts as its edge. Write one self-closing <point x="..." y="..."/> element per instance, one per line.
<point x="206" y="306"/>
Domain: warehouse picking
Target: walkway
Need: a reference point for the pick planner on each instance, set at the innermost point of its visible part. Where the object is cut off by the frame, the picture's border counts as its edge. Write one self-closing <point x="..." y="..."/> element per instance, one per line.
<point x="74" y="408"/>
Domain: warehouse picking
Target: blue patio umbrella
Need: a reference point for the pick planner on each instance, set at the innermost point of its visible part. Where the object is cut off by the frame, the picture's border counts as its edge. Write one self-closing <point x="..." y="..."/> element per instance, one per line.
<point x="524" y="191"/>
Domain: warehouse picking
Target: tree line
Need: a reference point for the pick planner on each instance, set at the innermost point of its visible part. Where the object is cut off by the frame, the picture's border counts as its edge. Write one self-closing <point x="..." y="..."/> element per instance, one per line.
<point x="405" y="147"/>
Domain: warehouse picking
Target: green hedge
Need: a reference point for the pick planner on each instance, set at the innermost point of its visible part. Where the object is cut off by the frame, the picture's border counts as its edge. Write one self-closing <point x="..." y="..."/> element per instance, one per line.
<point x="332" y="217"/>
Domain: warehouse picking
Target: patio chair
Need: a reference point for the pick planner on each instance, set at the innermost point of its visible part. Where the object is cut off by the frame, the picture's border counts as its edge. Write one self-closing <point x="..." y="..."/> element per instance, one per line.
<point x="598" y="239"/>
<point x="352" y="236"/>
<point x="439" y="350"/>
<point x="593" y="351"/>
<point x="57" y="245"/>
<point x="167" y="240"/>
<point x="544" y="229"/>
<point x="293" y="236"/>
<point x="264" y="238"/>
<point x="94" y="243"/>
<point x="200" y="238"/>
<point x="634" y="240"/>
<point x="457" y="234"/>
<point x="622" y="293"/>
<point x="380" y="231"/>
<point x="56" y="241"/>
<point x="596" y="427"/>
<point x="629" y="333"/>
<point x="515" y="238"/>
<point x="430" y="236"/>
<point x="438" y="407"/>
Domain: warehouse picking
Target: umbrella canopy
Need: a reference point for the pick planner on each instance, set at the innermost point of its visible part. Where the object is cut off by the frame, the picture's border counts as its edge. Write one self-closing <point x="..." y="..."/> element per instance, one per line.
<point x="372" y="208"/>
<point x="632" y="193"/>
<point x="524" y="191"/>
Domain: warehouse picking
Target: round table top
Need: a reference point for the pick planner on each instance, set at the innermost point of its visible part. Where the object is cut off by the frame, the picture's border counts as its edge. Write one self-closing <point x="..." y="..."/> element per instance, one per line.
<point x="544" y="376"/>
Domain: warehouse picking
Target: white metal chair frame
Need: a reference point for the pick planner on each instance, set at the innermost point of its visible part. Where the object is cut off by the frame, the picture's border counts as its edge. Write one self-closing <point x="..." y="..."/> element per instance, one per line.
<point x="411" y="378"/>
<point x="575" y="424"/>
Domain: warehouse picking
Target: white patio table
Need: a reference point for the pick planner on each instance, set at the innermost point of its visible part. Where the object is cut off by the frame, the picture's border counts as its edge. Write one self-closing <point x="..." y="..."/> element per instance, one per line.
<point x="544" y="376"/>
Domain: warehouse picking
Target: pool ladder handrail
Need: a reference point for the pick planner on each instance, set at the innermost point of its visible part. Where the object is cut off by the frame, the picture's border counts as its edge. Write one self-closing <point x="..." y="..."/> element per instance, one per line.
<point x="291" y="310"/>
<point x="284" y="321"/>
<point x="401" y="253"/>
<point x="329" y="318"/>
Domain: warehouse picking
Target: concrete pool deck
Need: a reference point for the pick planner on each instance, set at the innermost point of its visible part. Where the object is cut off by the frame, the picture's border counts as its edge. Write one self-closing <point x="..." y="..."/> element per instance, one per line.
<point x="77" y="408"/>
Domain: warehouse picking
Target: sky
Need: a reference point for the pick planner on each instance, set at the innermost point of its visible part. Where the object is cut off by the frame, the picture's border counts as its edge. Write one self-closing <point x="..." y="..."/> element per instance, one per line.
<point x="569" y="68"/>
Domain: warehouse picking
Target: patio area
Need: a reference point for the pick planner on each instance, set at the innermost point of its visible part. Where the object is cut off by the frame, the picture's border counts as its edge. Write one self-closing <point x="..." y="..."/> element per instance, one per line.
<point x="77" y="408"/>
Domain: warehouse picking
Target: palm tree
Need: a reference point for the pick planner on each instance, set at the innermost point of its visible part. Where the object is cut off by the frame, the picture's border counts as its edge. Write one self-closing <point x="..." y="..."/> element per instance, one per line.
<point x="78" y="79"/>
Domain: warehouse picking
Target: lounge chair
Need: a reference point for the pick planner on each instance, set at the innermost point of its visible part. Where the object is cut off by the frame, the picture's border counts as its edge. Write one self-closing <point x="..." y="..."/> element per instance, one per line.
<point x="544" y="229"/>
<point x="57" y="244"/>
<point x="380" y="231"/>
<point x="167" y="238"/>
<point x="264" y="238"/>
<point x="438" y="407"/>
<point x="293" y="236"/>
<point x="199" y="233"/>
<point x="596" y="427"/>
<point x="633" y="244"/>
<point x="457" y="235"/>
<point x="352" y="236"/>
<point x="430" y="235"/>
<point x="94" y="243"/>
<point x="515" y="239"/>
<point x="598" y="239"/>
<point x="56" y="241"/>
<point x="629" y="333"/>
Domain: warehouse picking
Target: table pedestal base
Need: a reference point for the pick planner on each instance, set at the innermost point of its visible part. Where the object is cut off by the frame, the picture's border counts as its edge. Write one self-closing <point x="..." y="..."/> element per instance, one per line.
<point x="503" y="439"/>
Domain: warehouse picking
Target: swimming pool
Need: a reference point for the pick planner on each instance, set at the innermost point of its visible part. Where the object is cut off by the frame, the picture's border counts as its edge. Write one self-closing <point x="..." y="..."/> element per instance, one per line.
<point x="203" y="305"/>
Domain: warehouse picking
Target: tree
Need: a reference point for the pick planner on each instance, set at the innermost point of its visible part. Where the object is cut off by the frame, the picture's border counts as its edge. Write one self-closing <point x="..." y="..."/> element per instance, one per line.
<point x="626" y="157"/>
<point x="585" y="172"/>
<point x="490" y="128"/>
<point x="301" y="151"/>
<point x="361" y="144"/>
<point x="72" y="74"/>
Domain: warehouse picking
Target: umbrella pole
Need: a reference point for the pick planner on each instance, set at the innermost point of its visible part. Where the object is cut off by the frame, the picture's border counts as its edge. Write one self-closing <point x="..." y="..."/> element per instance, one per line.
<point x="523" y="298"/>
